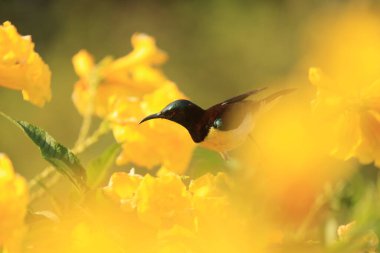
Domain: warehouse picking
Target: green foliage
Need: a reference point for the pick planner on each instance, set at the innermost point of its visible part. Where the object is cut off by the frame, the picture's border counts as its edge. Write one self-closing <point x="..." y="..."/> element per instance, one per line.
<point x="205" y="161"/>
<point x="55" y="153"/>
<point x="98" y="168"/>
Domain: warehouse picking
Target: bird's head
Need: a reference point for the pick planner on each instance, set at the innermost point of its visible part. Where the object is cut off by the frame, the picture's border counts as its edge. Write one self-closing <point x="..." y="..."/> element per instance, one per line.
<point x="182" y="111"/>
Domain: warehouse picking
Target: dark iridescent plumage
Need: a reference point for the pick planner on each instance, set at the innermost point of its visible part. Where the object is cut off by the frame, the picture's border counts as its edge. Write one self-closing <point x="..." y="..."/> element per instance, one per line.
<point x="221" y="127"/>
<point x="224" y="116"/>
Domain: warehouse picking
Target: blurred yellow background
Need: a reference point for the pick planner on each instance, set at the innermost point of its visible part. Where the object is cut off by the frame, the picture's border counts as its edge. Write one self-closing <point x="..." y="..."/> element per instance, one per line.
<point x="217" y="49"/>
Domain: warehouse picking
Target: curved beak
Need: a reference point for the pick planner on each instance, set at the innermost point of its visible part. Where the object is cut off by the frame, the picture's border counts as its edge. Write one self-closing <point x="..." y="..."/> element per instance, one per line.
<point x="153" y="116"/>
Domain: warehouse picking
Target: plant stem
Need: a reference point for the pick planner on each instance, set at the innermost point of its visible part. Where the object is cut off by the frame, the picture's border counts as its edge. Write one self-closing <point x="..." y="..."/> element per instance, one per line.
<point x="50" y="176"/>
<point x="85" y="128"/>
<point x="85" y="143"/>
<point x="48" y="173"/>
<point x="83" y="140"/>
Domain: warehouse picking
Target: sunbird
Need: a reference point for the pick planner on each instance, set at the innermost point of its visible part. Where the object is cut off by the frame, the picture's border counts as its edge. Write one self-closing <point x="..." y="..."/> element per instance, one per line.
<point x="222" y="127"/>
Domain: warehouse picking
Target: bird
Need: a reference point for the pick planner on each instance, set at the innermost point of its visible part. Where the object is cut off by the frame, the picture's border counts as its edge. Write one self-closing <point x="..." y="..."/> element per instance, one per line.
<point x="223" y="126"/>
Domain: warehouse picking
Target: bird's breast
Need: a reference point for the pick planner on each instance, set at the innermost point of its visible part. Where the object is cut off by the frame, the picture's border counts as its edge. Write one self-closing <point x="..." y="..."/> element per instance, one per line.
<point x="224" y="141"/>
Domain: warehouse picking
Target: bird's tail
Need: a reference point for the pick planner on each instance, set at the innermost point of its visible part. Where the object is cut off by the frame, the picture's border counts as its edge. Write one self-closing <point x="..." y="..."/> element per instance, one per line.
<point x="276" y="95"/>
<point x="265" y="104"/>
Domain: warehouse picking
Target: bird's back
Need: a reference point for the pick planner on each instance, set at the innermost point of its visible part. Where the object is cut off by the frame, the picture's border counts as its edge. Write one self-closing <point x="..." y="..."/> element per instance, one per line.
<point x="229" y="124"/>
<point x="226" y="125"/>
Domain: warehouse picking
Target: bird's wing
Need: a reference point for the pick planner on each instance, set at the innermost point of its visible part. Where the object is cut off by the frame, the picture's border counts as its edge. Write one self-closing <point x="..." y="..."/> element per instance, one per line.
<point x="276" y="95"/>
<point x="241" y="97"/>
<point x="231" y="113"/>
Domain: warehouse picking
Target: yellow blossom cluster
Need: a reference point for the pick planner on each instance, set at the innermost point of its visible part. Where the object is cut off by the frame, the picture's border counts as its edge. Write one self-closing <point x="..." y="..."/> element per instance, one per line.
<point x="154" y="214"/>
<point x="289" y="146"/>
<point x="124" y="91"/>
<point x="21" y="68"/>
<point x="305" y="140"/>
<point x="281" y="196"/>
<point x="13" y="203"/>
<point x="131" y="76"/>
<point x="348" y="83"/>
<point x="181" y="218"/>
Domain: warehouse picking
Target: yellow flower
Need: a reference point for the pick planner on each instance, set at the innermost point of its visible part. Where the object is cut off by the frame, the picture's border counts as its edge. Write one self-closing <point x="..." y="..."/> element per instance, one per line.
<point x="290" y="145"/>
<point x="213" y="205"/>
<point x="164" y="201"/>
<point x="174" y="218"/>
<point x="21" y="68"/>
<point x="210" y="194"/>
<point x="145" y="53"/>
<point x="126" y="90"/>
<point x="133" y="75"/>
<point x="122" y="187"/>
<point x="153" y="143"/>
<point x="13" y="203"/>
<point x="354" y="118"/>
<point x="347" y="97"/>
<point x="83" y="63"/>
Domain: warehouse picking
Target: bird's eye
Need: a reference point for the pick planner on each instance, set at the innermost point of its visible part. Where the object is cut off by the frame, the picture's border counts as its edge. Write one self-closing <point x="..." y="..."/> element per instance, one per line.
<point x="218" y="123"/>
<point x="169" y="114"/>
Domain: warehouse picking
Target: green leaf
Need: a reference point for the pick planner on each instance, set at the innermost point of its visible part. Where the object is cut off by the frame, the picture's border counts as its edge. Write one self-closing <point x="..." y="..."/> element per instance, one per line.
<point x="99" y="167"/>
<point x="205" y="161"/>
<point x="55" y="153"/>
